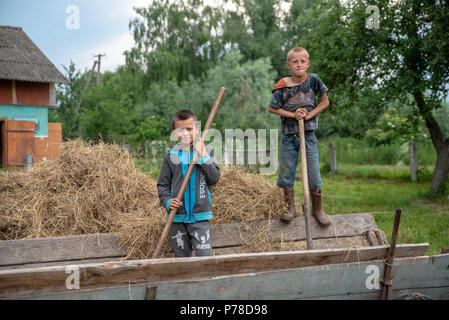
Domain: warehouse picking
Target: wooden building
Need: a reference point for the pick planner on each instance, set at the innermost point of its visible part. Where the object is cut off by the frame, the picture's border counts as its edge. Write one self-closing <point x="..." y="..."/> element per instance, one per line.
<point x="27" y="91"/>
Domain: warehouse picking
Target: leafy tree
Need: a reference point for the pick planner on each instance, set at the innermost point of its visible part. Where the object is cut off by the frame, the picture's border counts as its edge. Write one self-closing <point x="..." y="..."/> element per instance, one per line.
<point x="408" y="56"/>
<point x="244" y="104"/>
<point x="255" y="29"/>
<point x="152" y="128"/>
<point x="107" y="110"/>
<point x="175" y="40"/>
<point x="67" y="99"/>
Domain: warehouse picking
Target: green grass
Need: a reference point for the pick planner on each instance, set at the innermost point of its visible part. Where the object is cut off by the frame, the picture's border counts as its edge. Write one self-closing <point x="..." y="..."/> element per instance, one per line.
<point x="148" y="167"/>
<point x="355" y="151"/>
<point x="379" y="190"/>
<point x="377" y="181"/>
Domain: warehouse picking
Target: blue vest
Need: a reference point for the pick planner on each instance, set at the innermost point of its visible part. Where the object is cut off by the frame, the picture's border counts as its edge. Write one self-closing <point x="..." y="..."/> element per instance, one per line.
<point x="191" y="194"/>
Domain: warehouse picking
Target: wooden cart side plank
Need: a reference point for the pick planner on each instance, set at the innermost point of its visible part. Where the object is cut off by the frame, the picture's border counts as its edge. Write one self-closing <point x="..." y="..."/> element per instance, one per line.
<point x="334" y="243"/>
<point x="342" y="281"/>
<point x="28" y="280"/>
<point x="61" y="263"/>
<point x="137" y="292"/>
<point x="91" y="246"/>
<point x="127" y="292"/>
<point x="343" y="225"/>
<point x="330" y="280"/>
<point x="343" y="242"/>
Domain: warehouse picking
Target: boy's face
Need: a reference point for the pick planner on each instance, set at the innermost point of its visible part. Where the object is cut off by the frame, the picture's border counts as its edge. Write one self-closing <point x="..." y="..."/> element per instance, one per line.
<point x="185" y="131"/>
<point x="298" y="63"/>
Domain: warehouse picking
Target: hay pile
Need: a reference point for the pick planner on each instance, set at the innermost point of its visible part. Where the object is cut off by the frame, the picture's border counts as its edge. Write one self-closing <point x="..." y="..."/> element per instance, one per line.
<point x="96" y="188"/>
<point x="89" y="189"/>
<point x="240" y="196"/>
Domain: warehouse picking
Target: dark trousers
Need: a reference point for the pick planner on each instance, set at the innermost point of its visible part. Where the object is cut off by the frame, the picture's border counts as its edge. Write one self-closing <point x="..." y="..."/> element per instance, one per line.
<point x="185" y="237"/>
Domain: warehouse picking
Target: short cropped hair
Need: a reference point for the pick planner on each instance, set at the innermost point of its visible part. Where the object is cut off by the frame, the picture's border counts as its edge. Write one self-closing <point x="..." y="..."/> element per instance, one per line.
<point x="296" y="49"/>
<point x="183" y="114"/>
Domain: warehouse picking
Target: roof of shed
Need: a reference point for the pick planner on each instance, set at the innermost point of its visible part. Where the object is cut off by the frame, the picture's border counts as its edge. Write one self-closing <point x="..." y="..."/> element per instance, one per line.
<point x="21" y="59"/>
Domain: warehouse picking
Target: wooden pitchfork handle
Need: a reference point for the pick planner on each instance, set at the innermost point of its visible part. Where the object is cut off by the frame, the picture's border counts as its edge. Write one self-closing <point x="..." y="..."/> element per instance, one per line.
<point x="305" y="183"/>
<point x="188" y="174"/>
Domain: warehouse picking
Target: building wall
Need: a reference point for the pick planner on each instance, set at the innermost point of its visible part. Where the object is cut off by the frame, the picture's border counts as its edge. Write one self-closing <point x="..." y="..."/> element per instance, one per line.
<point x="32" y="93"/>
<point x="5" y="91"/>
<point x="26" y="93"/>
<point x="27" y="113"/>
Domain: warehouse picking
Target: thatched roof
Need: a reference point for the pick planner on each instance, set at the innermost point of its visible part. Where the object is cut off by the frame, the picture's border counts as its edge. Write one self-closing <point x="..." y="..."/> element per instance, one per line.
<point x="21" y="59"/>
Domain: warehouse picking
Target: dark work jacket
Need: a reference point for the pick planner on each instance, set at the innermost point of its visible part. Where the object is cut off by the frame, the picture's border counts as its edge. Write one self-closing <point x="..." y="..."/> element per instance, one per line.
<point x="197" y="201"/>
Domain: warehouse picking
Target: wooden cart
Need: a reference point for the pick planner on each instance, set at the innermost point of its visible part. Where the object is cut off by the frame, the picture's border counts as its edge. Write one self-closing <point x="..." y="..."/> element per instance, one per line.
<point x="347" y="263"/>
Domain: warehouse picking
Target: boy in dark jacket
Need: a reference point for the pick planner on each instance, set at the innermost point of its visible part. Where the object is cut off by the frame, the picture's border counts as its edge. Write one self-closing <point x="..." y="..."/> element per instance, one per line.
<point x="190" y="228"/>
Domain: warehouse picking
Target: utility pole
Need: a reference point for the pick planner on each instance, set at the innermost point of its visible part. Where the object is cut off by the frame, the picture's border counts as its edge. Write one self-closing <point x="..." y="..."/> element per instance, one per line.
<point x="98" y="67"/>
<point x="81" y="98"/>
<point x="96" y="63"/>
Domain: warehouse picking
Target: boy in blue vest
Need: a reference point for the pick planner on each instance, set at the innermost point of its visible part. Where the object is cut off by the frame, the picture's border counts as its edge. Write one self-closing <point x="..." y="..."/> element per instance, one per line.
<point x="190" y="228"/>
<point x="294" y="98"/>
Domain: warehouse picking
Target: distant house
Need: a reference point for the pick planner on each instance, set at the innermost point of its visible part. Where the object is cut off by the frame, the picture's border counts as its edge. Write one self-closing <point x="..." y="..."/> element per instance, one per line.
<point x="27" y="91"/>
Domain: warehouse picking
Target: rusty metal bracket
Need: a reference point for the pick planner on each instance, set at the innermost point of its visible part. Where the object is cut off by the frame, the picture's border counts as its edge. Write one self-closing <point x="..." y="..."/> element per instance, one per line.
<point x="151" y="291"/>
<point x="387" y="281"/>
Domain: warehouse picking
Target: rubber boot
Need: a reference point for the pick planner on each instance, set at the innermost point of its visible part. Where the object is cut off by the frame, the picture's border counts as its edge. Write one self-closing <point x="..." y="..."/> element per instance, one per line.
<point x="317" y="211"/>
<point x="289" y="198"/>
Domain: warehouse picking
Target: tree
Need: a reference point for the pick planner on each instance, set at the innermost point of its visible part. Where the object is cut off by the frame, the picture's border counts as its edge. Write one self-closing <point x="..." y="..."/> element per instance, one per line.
<point x="67" y="98"/>
<point x="419" y="39"/>
<point x="107" y="111"/>
<point x="407" y="56"/>
<point x="255" y="28"/>
<point x="244" y="105"/>
<point x="175" y="40"/>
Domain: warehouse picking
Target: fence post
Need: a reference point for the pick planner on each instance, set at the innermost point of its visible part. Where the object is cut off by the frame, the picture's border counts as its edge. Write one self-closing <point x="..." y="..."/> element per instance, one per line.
<point x="413" y="162"/>
<point x="123" y="146"/>
<point x="333" y="157"/>
<point x="147" y="153"/>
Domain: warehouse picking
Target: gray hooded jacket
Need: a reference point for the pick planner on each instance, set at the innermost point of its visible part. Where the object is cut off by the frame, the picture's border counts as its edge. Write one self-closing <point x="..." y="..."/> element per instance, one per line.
<point x="197" y="201"/>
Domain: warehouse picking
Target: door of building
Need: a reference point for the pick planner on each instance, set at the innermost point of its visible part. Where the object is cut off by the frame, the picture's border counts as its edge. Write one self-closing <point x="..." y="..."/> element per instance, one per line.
<point x="19" y="140"/>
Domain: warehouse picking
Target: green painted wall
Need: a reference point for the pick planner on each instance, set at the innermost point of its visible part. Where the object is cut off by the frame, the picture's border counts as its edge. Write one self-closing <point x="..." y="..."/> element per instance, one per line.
<point x="29" y="113"/>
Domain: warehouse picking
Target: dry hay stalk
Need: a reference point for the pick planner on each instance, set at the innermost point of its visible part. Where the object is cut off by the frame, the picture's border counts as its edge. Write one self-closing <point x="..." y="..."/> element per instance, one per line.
<point x="244" y="197"/>
<point x="96" y="188"/>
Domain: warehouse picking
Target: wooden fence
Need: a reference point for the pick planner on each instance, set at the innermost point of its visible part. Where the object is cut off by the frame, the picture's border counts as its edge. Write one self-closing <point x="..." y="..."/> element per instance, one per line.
<point x="253" y="158"/>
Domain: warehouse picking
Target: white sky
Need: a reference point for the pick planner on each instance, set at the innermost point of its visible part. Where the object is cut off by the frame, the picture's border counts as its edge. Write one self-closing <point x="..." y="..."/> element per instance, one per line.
<point x="104" y="28"/>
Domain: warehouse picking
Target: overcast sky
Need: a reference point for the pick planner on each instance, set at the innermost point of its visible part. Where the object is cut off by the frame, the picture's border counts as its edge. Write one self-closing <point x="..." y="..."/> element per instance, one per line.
<point x="103" y="28"/>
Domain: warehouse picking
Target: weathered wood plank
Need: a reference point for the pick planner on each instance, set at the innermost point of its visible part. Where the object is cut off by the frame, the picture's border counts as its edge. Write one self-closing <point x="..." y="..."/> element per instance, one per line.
<point x="410" y="274"/>
<point x="89" y="246"/>
<point x="421" y="275"/>
<point x="347" y="242"/>
<point x="329" y="243"/>
<point x="93" y="246"/>
<point x="343" y="225"/>
<point x="62" y="263"/>
<point x="17" y="282"/>
<point x="138" y="292"/>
